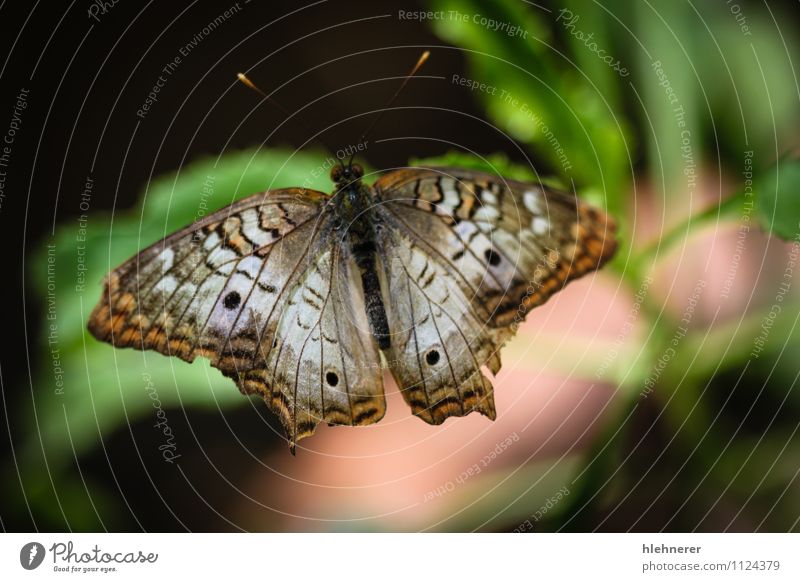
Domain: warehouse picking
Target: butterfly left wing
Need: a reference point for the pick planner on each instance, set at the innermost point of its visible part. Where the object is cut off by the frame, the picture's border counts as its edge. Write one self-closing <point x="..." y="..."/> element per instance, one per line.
<point x="185" y="295"/>
<point x="470" y="255"/>
<point x="257" y="289"/>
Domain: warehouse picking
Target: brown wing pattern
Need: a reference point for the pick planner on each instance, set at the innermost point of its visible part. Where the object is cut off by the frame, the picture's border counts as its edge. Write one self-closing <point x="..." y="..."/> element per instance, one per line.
<point x="439" y="340"/>
<point x="514" y="244"/>
<point x="324" y="364"/>
<point x="250" y="288"/>
<point x="471" y="254"/>
<point x="267" y="292"/>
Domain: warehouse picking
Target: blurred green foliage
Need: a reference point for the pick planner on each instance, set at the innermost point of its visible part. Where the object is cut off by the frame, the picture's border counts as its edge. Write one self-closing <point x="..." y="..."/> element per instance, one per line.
<point x="540" y="100"/>
<point x="697" y="92"/>
<point x="617" y="133"/>
<point x="778" y="198"/>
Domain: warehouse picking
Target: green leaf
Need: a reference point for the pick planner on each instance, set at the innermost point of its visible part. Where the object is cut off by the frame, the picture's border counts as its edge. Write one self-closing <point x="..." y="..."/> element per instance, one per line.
<point x="778" y="198"/>
<point x="497" y="164"/>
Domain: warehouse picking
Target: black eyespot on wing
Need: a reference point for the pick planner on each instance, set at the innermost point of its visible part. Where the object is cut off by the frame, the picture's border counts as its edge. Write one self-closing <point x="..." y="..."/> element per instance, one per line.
<point x="492" y="257"/>
<point x="332" y="378"/>
<point x="432" y="357"/>
<point x="232" y="300"/>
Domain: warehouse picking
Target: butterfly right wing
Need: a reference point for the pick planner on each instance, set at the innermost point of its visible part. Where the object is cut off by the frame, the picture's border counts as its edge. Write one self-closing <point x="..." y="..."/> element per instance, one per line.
<point x="467" y="256"/>
<point x="512" y="245"/>
<point x="439" y="340"/>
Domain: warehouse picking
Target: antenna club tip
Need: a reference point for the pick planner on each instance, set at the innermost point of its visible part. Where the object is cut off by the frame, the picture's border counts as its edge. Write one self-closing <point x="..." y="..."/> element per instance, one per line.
<point x="244" y="79"/>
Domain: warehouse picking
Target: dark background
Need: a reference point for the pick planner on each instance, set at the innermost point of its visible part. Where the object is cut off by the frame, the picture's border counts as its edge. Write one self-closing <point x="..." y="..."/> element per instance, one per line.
<point x="87" y="79"/>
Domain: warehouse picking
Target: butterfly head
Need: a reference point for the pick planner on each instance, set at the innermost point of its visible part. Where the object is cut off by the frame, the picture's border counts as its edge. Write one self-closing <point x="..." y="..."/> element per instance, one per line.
<point x="344" y="176"/>
<point x="351" y="197"/>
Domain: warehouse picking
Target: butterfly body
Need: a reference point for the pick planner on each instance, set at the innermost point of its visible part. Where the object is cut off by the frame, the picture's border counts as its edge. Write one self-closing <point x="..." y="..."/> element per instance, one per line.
<point x="304" y="298"/>
<point x="356" y="217"/>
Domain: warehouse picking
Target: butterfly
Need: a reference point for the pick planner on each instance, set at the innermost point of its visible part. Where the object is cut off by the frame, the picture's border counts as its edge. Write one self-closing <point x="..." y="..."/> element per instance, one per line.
<point x="304" y="298"/>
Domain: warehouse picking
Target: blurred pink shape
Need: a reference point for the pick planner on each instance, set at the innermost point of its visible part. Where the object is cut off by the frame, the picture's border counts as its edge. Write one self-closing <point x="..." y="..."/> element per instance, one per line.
<point x="378" y="477"/>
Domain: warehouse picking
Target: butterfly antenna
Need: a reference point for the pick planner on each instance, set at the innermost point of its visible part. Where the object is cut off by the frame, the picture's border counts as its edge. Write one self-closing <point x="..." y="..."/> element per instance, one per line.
<point x="248" y="83"/>
<point x="420" y="62"/>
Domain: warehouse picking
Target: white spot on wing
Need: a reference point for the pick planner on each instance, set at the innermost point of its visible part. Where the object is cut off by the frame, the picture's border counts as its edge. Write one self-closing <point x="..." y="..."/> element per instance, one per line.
<point x="211" y="241"/>
<point x="486" y="214"/>
<point x="166" y="257"/>
<point x="465" y="228"/>
<point x="226" y="268"/>
<point x="451" y="196"/>
<point x="252" y="229"/>
<point x="531" y="200"/>
<point x="166" y="285"/>
<point x="540" y="225"/>
<point x="221" y="256"/>
<point x="250" y="265"/>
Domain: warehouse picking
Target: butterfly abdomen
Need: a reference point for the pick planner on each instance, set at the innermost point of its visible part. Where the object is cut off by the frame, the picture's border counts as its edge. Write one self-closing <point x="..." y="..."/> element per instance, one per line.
<point x="354" y="209"/>
<point x="364" y="254"/>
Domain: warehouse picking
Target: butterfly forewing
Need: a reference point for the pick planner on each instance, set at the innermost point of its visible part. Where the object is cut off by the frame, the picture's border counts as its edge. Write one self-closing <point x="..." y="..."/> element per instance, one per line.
<point x="509" y="244"/>
<point x="184" y="295"/>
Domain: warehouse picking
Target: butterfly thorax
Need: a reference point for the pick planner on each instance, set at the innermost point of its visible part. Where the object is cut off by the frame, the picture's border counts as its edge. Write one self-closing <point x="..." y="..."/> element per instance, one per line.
<point x="351" y="204"/>
<point x="354" y="211"/>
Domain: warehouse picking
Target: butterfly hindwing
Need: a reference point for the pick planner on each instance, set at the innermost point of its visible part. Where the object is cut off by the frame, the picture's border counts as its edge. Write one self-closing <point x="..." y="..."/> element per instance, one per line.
<point x="323" y="364"/>
<point x="439" y="341"/>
